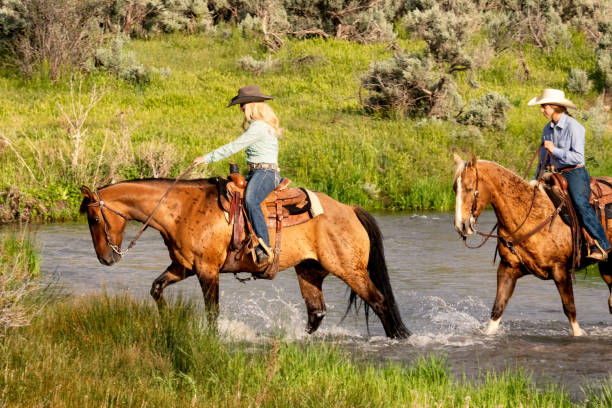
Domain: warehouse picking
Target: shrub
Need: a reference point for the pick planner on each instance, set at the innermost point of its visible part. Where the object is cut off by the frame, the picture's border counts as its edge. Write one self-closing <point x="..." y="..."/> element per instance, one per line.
<point x="597" y="118"/>
<point x="603" y="53"/>
<point x="258" y="67"/>
<point x="445" y="33"/>
<point x="488" y="111"/>
<point x="578" y="81"/>
<point x="119" y="62"/>
<point x="47" y="36"/>
<point x="409" y="85"/>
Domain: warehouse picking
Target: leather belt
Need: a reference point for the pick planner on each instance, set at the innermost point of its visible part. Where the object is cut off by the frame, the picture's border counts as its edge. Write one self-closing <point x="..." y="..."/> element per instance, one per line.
<point x="568" y="168"/>
<point x="263" y="166"/>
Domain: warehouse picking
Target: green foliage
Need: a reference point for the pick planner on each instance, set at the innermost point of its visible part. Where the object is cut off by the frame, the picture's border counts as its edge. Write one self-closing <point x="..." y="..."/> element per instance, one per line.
<point x="445" y="33"/>
<point x="488" y="111"/>
<point x="409" y="85"/>
<point x="604" y="55"/>
<point x="116" y="60"/>
<point x="578" y="81"/>
<point x="104" y="350"/>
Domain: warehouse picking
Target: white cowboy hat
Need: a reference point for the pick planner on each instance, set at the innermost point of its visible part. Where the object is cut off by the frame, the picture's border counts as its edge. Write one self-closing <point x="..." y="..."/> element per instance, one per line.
<point x="552" y="97"/>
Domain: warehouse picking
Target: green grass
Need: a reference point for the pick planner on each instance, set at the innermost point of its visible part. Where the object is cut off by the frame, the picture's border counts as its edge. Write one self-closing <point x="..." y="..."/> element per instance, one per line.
<point x="116" y="351"/>
<point x="329" y="144"/>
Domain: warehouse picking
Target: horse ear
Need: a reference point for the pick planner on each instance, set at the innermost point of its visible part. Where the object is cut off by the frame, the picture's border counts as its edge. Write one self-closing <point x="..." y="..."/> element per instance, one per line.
<point x="473" y="160"/>
<point x="85" y="191"/>
<point x="458" y="160"/>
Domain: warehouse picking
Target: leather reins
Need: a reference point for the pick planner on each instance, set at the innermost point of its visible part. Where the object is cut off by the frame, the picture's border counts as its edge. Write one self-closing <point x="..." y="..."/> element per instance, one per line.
<point x="509" y="241"/>
<point x="100" y="203"/>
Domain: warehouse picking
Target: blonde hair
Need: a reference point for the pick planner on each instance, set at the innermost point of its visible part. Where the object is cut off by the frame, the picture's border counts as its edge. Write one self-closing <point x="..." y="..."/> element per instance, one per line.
<point x="558" y="108"/>
<point x="261" y="111"/>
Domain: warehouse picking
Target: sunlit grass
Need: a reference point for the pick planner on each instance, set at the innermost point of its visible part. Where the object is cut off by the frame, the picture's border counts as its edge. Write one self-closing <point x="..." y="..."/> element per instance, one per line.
<point x="110" y="351"/>
<point x="329" y="143"/>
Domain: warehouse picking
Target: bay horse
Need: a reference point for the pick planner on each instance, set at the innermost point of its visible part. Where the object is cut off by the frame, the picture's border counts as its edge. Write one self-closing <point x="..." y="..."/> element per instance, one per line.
<point x="344" y="241"/>
<point x="547" y="254"/>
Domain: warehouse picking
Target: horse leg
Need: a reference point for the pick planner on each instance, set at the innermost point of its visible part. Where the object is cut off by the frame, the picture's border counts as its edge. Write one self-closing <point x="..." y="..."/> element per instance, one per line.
<point x="310" y="277"/>
<point x="506" y="281"/>
<point x="209" y="282"/>
<point x="173" y="273"/>
<point x="605" y="270"/>
<point x="359" y="281"/>
<point x="564" y="286"/>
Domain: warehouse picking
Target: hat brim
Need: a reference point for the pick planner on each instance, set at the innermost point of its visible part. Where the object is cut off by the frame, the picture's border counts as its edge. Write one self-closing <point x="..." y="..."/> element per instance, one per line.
<point x="248" y="99"/>
<point x="538" y="100"/>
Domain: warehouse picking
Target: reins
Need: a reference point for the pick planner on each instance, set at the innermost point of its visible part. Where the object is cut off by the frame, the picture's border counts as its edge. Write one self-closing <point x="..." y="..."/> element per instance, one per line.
<point x="509" y="241"/>
<point x="100" y="203"/>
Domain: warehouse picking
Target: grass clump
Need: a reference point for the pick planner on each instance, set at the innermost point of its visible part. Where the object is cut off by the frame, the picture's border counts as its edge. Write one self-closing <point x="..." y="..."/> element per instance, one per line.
<point x="103" y="351"/>
<point x="19" y="268"/>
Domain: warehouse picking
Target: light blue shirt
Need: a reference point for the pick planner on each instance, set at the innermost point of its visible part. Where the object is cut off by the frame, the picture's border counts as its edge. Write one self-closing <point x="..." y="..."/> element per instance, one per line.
<point x="568" y="137"/>
<point x="259" y="140"/>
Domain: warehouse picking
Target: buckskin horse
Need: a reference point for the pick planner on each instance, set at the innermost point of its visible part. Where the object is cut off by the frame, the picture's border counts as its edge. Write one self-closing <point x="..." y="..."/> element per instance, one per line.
<point x="344" y="241"/>
<point x="531" y="239"/>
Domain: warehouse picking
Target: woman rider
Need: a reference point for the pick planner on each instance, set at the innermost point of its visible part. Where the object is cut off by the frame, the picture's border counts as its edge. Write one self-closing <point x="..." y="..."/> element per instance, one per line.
<point x="261" y="143"/>
<point x="563" y="138"/>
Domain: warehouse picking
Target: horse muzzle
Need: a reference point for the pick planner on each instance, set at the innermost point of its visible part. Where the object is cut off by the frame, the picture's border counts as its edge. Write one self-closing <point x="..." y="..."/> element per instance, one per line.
<point x="465" y="227"/>
<point x="109" y="259"/>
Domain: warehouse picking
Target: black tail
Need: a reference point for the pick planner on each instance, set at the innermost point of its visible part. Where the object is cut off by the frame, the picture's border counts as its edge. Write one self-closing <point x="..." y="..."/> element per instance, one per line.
<point x="377" y="270"/>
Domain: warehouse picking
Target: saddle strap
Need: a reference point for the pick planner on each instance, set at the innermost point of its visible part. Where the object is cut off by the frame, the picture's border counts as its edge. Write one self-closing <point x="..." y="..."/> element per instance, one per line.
<point x="235" y="214"/>
<point x="272" y="269"/>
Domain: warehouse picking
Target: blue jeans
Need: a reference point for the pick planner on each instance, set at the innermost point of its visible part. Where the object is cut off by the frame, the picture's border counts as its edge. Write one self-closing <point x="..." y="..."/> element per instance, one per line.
<point x="261" y="182"/>
<point x="578" y="185"/>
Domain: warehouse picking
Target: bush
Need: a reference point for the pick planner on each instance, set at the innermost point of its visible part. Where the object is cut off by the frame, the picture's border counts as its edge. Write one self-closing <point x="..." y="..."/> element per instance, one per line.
<point x="603" y="53"/>
<point x="258" y="67"/>
<point x="48" y="37"/>
<point x="408" y="85"/>
<point x="578" y="81"/>
<point x="445" y="34"/>
<point x="119" y="62"/>
<point x="487" y="112"/>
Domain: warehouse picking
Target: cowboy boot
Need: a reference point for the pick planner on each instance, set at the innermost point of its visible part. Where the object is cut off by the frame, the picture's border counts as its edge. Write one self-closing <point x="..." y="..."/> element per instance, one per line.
<point x="598" y="255"/>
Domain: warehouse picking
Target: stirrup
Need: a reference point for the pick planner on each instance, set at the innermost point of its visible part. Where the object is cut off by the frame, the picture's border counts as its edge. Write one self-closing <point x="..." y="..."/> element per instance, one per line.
<point x="267" y="250"/>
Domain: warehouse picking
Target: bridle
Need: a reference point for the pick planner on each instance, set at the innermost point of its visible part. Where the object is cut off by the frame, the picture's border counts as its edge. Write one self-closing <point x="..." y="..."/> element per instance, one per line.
<point x="100" y="203"/>
<point x="510" y="241"/>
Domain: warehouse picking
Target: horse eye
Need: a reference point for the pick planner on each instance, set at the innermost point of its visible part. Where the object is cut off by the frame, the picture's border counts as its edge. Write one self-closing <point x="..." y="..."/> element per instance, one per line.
<point x="468" y="190"/>
<point x="93" y="221"/>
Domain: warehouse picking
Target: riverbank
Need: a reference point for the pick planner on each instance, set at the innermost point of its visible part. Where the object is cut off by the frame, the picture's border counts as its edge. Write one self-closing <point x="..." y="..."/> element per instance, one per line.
<point x="155" y="129"/>
<point x="111" y="351"/>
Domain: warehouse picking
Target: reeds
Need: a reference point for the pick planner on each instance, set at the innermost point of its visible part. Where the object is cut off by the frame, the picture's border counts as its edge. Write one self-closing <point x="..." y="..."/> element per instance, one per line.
<point x="117" y="351"/>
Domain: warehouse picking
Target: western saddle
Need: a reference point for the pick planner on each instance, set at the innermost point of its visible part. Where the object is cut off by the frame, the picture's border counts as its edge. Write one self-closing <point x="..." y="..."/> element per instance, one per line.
<point x="283" y="207"/>
<point x="600" y="199"/>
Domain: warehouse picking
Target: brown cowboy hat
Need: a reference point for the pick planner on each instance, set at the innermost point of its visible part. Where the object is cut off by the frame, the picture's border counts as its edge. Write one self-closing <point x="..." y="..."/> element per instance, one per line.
<point x="247" y="94"/>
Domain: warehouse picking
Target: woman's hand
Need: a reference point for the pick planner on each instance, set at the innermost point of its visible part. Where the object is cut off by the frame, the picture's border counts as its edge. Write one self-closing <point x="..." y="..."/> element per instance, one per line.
<point x="198" y="160"/>
<point x="549" y="145"/>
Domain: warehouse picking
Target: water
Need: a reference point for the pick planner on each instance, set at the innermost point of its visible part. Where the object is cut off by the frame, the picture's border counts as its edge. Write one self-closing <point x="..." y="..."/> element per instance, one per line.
<point x="445" y="293"/>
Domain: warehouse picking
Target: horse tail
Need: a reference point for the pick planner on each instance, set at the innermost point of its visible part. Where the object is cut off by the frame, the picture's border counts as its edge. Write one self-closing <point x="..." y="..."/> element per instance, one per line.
<point x="377" y="270"/>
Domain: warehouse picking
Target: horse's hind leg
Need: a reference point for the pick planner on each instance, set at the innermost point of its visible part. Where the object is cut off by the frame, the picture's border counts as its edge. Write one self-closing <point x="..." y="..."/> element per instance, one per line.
<point x="310" y="277"/>
<point x="564" y="286"/>
<point x="605" y="270"/>
<point x="174" y="273"/>
<point x="506" y="281"/>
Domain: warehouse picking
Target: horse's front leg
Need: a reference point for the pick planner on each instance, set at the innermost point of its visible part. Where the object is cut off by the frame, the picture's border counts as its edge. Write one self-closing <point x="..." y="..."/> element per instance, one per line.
<point x="564" y="286"/>
<point x="209" y="282"/>
<point x="174" y="273"/>
<point x="506" y="281"/>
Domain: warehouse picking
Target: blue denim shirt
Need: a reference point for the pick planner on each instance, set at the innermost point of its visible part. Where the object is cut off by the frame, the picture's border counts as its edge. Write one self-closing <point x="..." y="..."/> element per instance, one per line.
<point x="259" y="140"/>
<point x="568" y="138"/>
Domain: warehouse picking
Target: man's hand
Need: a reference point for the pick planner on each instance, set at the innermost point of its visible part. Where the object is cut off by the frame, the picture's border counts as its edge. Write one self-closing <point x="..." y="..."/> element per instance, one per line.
<point x="549" y="145"/>
<point x="198" y="160"/>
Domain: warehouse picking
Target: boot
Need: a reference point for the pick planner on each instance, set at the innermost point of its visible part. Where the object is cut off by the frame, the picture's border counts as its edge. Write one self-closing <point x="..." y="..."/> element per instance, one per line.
<point x="262" y="256"/>
<point x="598" y="255"/>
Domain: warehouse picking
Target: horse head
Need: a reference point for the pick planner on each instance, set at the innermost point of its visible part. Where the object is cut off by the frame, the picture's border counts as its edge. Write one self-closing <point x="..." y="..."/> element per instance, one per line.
<point x="105" y="224"/>
<point x="469" y="195"/>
